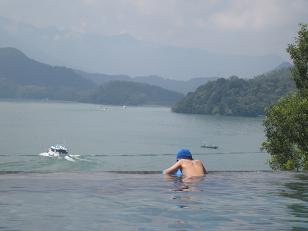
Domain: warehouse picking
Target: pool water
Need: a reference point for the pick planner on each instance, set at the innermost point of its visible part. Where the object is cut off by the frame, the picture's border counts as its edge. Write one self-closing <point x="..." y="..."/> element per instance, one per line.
<point x="258" y="200"/>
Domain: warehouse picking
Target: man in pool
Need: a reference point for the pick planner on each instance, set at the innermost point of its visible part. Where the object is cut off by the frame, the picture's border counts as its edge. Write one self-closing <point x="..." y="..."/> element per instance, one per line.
<point x="188" y="166"/>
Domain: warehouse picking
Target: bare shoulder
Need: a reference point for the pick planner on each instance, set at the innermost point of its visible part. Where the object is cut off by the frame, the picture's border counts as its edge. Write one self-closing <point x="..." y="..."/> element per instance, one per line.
<point x="190" y="161"/>
<point x="198" y="161"/>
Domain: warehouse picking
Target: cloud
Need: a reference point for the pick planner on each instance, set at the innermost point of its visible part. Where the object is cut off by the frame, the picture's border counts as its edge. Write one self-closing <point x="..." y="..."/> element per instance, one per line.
<point x="89" y="2"/>
<point x="256" y="15"/>
<point x="216" y="25"/>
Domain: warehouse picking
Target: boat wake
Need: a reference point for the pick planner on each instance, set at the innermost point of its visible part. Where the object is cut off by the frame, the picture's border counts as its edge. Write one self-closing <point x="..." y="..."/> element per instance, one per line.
<point x="60" y="152"/>
<point x="68" y="157"/>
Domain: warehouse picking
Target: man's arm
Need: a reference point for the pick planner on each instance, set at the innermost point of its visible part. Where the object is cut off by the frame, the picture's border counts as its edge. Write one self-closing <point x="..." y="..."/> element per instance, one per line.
<point x="173" y="168"/>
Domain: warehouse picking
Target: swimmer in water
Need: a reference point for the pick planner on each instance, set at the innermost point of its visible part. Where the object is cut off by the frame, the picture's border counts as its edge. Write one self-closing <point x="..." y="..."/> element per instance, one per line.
<point x="188" y="166"/>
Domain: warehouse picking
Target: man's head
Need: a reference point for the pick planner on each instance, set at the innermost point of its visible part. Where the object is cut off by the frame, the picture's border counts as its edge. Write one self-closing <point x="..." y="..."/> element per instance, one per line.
<point x="183" y="153"/>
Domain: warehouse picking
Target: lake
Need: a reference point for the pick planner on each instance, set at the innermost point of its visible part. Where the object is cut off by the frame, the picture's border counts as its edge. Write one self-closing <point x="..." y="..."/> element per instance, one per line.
<point x="115" y="182"/>
<point x="124" y="138"/>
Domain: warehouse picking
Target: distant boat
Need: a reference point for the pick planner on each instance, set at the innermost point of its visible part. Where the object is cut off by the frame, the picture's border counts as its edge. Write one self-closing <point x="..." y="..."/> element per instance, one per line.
<point x="60" y="152"/>
<point x="209" y="146"/>
<point x="57" y="150"/>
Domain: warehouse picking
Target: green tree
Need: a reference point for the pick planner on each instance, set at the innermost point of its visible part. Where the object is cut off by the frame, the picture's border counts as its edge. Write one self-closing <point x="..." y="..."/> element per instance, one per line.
<point x="286" y="122"/>
<point x="299" y="54"/>
<point x="287" y="134"/>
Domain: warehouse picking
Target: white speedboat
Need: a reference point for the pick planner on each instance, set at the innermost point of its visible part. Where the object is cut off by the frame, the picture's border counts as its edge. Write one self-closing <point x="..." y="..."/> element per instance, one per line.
<point x="57" y="150"/>
<point x="60" y="152"/>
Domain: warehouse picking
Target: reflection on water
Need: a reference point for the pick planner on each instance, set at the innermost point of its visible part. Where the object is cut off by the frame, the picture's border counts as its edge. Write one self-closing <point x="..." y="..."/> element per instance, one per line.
<point x="298" y="188"/>
<point x="185" y="184"/>
<point x="186" y="194"/>
<point x="298" y="192"/>
<point x="256" y="201"/>
<point x="132" y="201"/>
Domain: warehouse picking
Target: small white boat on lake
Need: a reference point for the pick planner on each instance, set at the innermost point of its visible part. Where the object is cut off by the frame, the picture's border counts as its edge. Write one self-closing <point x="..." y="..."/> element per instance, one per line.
<point x="209" y="146"/>
<point x="59" y="151"/>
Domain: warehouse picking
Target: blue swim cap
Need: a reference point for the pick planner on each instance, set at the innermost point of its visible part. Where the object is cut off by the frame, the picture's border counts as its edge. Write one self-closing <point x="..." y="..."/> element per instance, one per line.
<point x="183" y="153"/>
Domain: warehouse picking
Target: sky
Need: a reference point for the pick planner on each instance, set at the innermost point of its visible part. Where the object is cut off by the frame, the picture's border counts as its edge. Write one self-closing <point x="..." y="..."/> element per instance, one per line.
<point x="222" y="26"/>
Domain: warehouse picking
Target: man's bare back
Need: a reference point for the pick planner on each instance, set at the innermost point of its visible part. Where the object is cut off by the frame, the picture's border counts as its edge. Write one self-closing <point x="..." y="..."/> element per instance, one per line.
<point x="192" y="167"/>
<point x="187" y="165"/>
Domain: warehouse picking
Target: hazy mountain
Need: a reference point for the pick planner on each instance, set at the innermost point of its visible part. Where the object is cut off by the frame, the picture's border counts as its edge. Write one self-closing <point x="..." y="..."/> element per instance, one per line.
<point x="25" y="78"/>
<point x="100" y="78"/>
<point x="17" y="68"/>
<point x="174" y="85"/>
<point x="283" y="65"/>
<point x="181" y="86"/>
<point x="124" y="54"/>
<point x="132" y="93"/>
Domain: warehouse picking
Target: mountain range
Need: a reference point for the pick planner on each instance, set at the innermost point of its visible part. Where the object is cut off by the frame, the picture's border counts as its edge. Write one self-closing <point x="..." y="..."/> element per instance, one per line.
<point x="25" y="78"/>
<point x="124" y="54"/>
<point x="17" y="68"/>
<point x="181" y="86"/>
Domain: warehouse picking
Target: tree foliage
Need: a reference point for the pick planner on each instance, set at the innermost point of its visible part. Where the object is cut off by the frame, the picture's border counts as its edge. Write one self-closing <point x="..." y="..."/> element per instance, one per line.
<point x="299" y="54"/>
<point x="286" y="130"/>
<point x="286" y="122"/>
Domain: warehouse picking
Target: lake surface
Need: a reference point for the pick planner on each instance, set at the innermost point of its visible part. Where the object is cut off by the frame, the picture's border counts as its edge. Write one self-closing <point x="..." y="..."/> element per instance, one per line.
<point x="116" y="184"/>
<point x="116" y="138"/>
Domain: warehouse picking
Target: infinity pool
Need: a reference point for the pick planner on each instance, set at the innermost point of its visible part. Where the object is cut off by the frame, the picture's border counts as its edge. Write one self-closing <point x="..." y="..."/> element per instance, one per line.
<point x="151" y="201"/>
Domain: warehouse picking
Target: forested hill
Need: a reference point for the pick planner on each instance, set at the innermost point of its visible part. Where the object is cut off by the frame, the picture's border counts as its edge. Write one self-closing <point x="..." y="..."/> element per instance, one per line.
<point x="131" y="93"/>
<point x="238" y="97"/>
